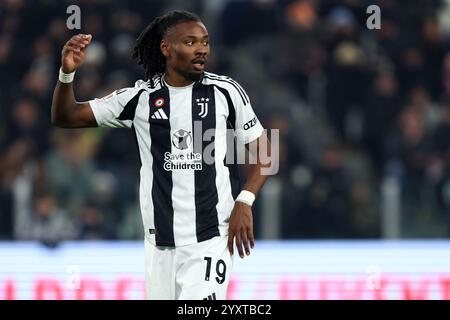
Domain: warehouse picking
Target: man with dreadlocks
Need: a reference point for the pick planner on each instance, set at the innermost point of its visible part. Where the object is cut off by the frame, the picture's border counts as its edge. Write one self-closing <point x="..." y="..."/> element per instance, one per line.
<point x="193" y="207"/>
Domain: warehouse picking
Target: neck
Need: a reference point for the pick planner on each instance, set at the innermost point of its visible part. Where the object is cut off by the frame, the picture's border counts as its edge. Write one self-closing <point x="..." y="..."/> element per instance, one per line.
<point x="175" y="79"/>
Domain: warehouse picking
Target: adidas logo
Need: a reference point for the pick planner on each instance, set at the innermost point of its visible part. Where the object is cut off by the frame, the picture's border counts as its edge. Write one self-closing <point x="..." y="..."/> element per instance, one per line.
<point x="159" y="114"/>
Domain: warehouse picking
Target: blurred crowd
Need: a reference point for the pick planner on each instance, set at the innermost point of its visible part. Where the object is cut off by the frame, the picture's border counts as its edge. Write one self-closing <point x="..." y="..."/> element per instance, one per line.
<point x="355" y="108"/>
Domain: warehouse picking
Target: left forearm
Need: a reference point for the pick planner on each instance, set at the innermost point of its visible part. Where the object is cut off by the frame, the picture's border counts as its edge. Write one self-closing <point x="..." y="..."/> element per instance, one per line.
<point x="257" y="174"/>
<point x="255" y="179"/>
<point x="241" y="219"/>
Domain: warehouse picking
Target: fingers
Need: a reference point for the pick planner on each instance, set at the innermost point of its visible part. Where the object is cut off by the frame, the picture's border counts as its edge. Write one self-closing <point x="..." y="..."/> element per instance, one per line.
<point x="77" y="43"/>
<point x="80" y="41"/>
<point x="230" y="242"/>
<point x="240" y="231"/>
<point x="239" y="245"/>
<point x="251" y="237"/>
<point x="71" y="47"/>
<point x="245" y="243"/>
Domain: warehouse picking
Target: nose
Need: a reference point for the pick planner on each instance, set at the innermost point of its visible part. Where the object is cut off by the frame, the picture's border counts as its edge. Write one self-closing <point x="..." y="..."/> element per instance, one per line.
<point x="201" y="50"/>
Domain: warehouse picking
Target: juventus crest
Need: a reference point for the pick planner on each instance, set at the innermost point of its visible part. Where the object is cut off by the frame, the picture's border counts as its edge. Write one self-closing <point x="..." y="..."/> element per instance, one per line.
<point x="203" y="104"/>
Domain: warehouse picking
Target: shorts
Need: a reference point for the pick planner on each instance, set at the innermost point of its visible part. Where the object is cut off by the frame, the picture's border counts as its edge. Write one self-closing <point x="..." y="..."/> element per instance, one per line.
<point x="199" y="271"/>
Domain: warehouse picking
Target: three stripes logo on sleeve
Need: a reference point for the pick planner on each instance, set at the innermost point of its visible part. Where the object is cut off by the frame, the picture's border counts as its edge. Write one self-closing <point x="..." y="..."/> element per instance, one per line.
<point x="159" y="114"/>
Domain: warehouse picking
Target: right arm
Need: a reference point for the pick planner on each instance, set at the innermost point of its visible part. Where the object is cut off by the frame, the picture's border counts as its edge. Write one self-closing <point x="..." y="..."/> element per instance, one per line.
<point x="66" y="111"/>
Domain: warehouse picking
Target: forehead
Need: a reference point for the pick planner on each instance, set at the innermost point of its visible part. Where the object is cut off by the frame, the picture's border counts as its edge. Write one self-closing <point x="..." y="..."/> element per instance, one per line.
<point x="187" y="28"/>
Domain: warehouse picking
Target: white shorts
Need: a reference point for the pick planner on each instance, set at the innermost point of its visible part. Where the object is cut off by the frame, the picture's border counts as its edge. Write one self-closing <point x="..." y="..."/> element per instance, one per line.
<point x="191" y="272"/>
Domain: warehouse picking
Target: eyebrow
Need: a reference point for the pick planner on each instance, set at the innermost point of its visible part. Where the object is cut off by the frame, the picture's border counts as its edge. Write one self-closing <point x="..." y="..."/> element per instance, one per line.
<point x="195" y="37"/>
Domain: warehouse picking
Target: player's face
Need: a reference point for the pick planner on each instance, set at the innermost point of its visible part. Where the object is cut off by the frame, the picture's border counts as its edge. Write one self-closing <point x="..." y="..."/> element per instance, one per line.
<point x="186" y="47"/>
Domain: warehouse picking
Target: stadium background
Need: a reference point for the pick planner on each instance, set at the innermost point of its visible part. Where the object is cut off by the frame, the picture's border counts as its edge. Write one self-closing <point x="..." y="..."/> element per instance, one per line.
<point x="364" y="120"/>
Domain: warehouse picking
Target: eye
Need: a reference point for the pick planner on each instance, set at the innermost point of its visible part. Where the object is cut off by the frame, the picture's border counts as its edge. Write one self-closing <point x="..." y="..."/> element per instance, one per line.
<point x="206" y="42"/>
<point x="189" y="42"/>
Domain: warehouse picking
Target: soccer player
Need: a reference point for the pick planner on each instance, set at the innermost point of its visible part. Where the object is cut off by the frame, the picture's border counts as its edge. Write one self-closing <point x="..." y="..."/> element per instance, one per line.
<point x="193" y="209"/>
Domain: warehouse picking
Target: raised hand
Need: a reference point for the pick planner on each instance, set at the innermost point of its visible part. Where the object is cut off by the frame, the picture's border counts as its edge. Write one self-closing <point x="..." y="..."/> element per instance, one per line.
<point x="74" y="51"/>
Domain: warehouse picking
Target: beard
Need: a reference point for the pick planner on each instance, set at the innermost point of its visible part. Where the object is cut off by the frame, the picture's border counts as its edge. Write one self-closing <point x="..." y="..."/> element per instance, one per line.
<point x="193" y="76"/>
<point x="190" y="75"/>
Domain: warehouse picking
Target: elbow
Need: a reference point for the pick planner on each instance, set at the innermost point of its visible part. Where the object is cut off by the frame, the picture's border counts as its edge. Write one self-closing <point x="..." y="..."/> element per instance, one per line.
<point x="53" y="118"/>
<point x="60" y="124"/>
<point x="57" y="122"/>
<point x="54" y="121"/>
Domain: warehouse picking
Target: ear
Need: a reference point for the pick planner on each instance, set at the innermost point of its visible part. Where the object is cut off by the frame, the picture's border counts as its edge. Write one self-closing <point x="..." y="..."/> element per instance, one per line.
<point x="165" y="49"/>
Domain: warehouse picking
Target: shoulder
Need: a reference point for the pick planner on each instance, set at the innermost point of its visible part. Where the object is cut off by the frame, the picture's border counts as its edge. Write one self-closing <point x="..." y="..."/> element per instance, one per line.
<point x="226" y="83"/>
<point x="149" y="85"/>
<point x="124" y="95"/>
<point x="141" y="84"/>
<point x="209" y="77"/>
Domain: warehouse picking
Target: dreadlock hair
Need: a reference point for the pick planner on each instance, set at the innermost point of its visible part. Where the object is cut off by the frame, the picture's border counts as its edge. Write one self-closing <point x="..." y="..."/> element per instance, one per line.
<point x="147" y="47"/>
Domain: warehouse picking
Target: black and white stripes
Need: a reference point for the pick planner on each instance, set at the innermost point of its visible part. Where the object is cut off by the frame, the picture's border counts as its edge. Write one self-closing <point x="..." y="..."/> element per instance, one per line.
<point x="162" y="179"/>
<point x="206" y="198"/>
<point x="187" y="189"/>
<point x="243" y="95"/>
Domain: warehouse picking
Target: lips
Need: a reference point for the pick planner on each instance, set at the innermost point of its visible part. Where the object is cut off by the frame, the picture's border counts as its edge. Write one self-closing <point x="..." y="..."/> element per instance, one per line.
<point x="199" y="64"/>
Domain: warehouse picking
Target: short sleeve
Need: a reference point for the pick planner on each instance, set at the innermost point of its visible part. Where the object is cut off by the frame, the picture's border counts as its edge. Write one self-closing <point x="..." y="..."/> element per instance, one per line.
<point x="117" y="109"/>
<point x="248" y="128"/>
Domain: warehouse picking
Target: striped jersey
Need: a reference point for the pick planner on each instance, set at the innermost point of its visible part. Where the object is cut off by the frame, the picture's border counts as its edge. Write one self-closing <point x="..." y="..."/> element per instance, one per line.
<point x="185" y="197"/>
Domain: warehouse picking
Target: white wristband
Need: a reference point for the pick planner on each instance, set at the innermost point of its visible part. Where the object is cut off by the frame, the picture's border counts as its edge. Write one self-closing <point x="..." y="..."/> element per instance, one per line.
<point x="65" y="77"/>
<point x="246" y="197"/>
